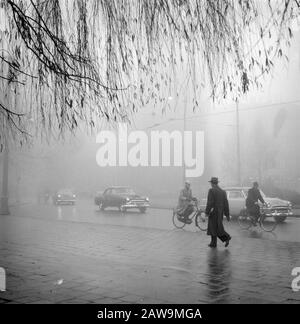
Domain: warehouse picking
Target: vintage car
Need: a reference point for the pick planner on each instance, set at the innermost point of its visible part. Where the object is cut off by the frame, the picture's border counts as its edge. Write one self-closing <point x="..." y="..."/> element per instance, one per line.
<point x="278" y="208"/>
<point x="64" y="196"/>
<point x="122" y="198"/>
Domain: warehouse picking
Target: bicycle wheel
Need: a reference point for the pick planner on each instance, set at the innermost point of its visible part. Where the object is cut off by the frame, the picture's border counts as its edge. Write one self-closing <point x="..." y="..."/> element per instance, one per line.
<point x="177" y="223"/>
<point x="201" y="221"/>
<point x="268" y="223"/>
<point x="244" y="220"/>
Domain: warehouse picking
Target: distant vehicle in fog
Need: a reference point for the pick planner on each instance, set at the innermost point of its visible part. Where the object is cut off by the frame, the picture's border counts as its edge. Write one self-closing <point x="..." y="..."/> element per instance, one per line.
<point x="64" y="196"/>
<point x="277" y="208"/>
<point x="123" y="198"/>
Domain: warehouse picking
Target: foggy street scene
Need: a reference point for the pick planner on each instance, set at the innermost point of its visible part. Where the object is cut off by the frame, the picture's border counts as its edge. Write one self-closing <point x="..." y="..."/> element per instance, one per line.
<point x="149" y="152"/>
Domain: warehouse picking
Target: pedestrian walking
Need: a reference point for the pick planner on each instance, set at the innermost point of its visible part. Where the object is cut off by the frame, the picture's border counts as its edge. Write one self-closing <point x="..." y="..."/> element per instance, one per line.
<point x="217" y="207"/>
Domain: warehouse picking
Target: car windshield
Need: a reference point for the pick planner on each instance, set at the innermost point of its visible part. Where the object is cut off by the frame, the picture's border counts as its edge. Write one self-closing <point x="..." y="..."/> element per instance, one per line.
<point x="65" y="192"/>
<point x="123" y="191"/>
<point x="235" y="194"/>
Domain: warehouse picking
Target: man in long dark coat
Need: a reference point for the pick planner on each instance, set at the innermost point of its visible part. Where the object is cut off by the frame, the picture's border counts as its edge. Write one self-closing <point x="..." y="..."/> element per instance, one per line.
<point x="217" y="207"/>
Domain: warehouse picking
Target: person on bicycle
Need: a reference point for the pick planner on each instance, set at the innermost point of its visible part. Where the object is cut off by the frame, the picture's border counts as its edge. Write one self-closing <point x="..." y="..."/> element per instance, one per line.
<point x="185" y="203"/>
<point x="254" y="195"/>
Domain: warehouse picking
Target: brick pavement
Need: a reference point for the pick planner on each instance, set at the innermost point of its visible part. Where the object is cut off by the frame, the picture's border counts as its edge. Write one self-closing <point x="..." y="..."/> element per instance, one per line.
<point x="64" y="262"/>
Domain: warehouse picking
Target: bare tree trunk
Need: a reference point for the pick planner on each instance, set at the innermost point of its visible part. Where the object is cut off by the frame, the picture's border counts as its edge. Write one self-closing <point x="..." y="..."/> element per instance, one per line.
<point x="4" y="210"/>
<point x="239" y="176"/>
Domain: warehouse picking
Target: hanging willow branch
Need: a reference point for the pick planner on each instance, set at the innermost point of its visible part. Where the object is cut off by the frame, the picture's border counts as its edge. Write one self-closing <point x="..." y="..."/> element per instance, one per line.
<point x="74" y="61"/>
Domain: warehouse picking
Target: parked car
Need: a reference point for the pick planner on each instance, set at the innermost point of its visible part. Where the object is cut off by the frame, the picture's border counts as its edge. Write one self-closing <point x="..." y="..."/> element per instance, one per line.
<point x="64" y="196"/>
<point x="123" y="198"/>
<point x="278" y="208"/>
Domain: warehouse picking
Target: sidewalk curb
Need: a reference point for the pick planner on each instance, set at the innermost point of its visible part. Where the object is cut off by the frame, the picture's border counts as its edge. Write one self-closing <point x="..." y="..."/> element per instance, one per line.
<point x="155" y="207"/>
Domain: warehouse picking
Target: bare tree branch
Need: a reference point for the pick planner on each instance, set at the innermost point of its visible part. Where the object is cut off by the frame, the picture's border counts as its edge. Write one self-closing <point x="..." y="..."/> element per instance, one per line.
<point x="84" y="61"/>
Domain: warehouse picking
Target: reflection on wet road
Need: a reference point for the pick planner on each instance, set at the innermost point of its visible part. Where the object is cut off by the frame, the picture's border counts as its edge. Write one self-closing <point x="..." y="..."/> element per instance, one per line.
<point x="219" y="274"/>
<point x="86" y="212"/>
<point x="144" y="257"/>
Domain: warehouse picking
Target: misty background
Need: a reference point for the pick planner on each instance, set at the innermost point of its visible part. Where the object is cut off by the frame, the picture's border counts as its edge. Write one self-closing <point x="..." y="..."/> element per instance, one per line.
<point x="269" y="146"/>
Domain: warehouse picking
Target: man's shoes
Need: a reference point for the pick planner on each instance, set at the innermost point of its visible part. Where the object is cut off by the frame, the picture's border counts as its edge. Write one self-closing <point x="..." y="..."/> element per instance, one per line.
<point x="213" y="246"/>
<point x="227" y="242"/>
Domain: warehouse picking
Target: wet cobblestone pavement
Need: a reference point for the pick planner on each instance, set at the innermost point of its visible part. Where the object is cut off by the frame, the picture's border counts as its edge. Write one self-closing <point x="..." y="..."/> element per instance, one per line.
<point x="66" y="262"/>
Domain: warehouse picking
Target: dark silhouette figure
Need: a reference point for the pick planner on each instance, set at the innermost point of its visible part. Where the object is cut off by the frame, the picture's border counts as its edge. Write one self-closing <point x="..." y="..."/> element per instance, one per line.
<point x="217" y="207"/>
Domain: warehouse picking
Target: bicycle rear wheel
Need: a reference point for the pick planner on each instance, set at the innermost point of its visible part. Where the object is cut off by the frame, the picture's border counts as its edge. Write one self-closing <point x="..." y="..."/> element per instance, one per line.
<point x="201" y="221"/>
<point x="245" y="220"/>
<point x="176" y="221"/>
<point x="268" y="223"/>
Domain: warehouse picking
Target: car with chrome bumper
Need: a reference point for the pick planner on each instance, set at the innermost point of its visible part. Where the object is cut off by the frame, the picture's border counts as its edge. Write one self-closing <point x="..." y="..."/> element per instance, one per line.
<point x="275" y="207"/>
<point x="123" y="198"/>
<point x="64" y="196"/>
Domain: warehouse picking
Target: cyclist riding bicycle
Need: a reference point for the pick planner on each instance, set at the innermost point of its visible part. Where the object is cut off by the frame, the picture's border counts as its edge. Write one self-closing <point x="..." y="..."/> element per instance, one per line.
<point x="185" y="203"/>
<point x="254" y="195"/>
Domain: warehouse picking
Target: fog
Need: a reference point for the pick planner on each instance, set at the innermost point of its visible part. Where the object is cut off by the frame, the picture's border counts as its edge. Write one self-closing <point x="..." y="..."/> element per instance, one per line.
<point x="269" y="146"/>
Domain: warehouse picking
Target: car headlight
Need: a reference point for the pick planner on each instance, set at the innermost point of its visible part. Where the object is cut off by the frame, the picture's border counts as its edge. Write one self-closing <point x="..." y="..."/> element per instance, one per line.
<point x="290" y="204"/>
<point x="268" y="205"/>
<point x="147" y="199"/>
<point x="74" y="196"/>
<point x="59" y="196"/>
<point x="127" y="199"/>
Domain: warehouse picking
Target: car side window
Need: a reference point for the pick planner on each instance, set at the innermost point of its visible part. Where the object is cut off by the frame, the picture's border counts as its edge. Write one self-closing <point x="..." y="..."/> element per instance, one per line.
<point x="236" y="195"/>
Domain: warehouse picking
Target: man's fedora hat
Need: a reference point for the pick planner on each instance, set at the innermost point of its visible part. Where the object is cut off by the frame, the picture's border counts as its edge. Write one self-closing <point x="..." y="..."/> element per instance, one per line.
<point x="214" y="180"/>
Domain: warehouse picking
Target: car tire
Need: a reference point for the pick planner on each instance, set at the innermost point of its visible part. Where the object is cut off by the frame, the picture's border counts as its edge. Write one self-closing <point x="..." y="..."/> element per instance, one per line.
<point x="143" y="210"/>
<point x="280" y="219"/>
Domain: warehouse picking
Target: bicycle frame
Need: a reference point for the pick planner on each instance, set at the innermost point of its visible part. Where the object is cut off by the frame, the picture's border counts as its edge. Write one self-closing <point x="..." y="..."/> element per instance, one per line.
<point x="195" y="212"/>
<point x="260" y="221"/>
<point x="202" y="225"/>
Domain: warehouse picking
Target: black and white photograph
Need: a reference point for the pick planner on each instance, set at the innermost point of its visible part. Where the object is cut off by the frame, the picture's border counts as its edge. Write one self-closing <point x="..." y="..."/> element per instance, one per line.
<point x="150" y="154"/>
